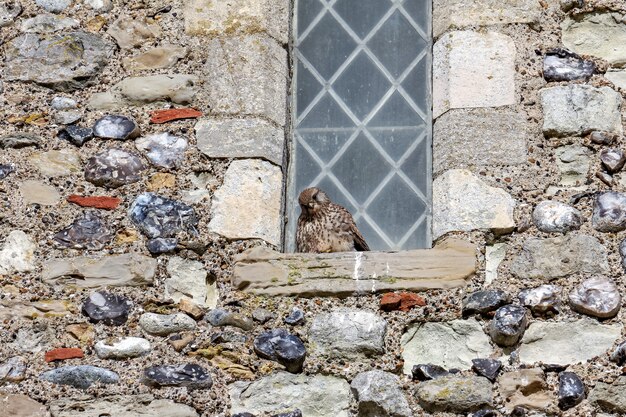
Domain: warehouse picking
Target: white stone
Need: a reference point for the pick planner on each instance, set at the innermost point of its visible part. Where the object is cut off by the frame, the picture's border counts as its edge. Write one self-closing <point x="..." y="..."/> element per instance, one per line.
<point x="565" y="343"/>
<point x="253" y="190"/>
<point x="473" y="69"/>
<point x="63" y="103"/>
<point x="314" y="396"/>
<point x="53" y="6"/>
<point x="48" y="23"/>
<point x="240" y="138"/>
<point x="573" y="110"/>
<point x="165" y="324"/>
<point x="247" y="76"/>
<point x="599" y="34"/>
<point x="463" y="202"/>
<point x="100" y="5"/>
<point x="17" y="253"/>
<point x="554" y="216"/>
<point x="163" y="149"/>
<point x="573" y="162"/>
<point x="122" y="348"/>
<point x="36" y="192"/>
<point x="55" y="163"/>
<point x="130" y="32"/>
<point x="460" y="13"/>
<point x="240" y="17"/>
<point x="188" y="279"/>
<point x="379" y="393"/>
<point x="494" y="255"/>
<point x="448" y="344"/>
<point x="617" y="77"/>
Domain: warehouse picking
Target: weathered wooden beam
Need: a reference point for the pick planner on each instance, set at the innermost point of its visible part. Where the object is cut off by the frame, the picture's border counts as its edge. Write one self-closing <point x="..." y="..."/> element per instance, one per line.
<point x="263" y="271"/>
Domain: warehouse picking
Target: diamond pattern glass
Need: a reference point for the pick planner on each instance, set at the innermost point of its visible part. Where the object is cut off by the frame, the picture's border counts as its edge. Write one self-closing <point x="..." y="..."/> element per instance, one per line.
<point x="362" y="115"/>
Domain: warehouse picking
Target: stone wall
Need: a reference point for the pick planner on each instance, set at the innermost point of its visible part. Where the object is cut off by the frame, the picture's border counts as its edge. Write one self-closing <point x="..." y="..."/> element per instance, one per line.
<point x="141" y="158"/>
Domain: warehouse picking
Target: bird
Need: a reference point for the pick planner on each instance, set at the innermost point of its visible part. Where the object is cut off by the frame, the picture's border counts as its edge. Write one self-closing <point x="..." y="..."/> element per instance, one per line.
<point x="324" y="226"/>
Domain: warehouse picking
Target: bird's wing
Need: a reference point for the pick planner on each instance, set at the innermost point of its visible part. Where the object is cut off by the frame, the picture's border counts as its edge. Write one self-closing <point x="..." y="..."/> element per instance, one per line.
<point x="350" y="226"/>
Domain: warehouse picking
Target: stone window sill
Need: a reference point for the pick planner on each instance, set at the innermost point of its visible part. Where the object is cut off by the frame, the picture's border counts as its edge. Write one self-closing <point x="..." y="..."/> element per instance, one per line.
<point x="263" y="271"/>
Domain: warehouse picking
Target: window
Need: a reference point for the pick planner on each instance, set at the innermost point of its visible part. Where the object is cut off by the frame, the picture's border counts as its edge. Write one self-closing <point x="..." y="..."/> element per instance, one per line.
<point x="361" y="115"/>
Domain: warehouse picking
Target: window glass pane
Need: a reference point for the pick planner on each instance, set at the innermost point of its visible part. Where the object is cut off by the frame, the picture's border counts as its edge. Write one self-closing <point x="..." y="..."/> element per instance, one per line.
<point x="362" y="115"/>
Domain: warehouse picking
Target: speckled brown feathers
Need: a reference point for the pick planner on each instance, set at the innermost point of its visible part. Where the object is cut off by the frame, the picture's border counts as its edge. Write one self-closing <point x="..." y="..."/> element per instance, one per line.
<point x="324" y="226"/>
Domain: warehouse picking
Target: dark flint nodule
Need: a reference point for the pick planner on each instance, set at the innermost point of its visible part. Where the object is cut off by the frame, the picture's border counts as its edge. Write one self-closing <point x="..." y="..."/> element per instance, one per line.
<point x="281" y="346"/>
<point x="619" y="354"/>
<point x="162" y="245"/>
<point x="609" y="212"/>
<point x="114" y="168"/>
<point x="188" y="375"/>
<point x="5" y="170"/>
<point x="508" y="325"/>
<point x="489" y="368"/>
<point x="158" y="216"/>
<point x="571" y="390"/>
<point x="562" y="65"/>
<point x="86" y="232"/>
<point x="115" y="127"/>
<point x="425" y="372"/>
<point x="76" y="135"/>
<point x="295" y="317"/>
<point x="110" y="309"/>
<point x="613" y="159"/>
<point x="483" y="302"/>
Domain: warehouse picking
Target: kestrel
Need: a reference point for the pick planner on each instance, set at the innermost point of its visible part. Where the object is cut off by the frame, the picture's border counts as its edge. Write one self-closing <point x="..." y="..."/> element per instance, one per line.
<point x="324" y="226"/>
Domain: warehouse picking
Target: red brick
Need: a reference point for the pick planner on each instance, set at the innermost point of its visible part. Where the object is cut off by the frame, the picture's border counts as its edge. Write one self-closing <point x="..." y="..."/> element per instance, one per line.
<point x="403" y="301"/>
<point x="100" y="202"/>
<point x="164" y="116"/>
<point x="61" y="354"/>
<point x="390" y="301"/>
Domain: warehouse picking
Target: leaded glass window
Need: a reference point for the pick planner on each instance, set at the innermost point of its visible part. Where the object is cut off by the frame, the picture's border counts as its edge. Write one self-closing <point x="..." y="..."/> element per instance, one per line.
<point x="361" y="115"/>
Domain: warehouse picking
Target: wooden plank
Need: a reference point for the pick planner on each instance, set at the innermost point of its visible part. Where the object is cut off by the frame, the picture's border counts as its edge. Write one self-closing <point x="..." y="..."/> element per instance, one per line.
<point x="263" y="271"/>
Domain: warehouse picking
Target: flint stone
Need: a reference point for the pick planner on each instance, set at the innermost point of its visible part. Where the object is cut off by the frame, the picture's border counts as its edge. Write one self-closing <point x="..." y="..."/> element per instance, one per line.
<point x="188" y="375"/>
<point x="163" y="149"/>
<point x="54" y="163"/>
<point x="67" y="117"/>
<point x="162" y="245"/>
<point x="472" y="69"/>
<point x="480" y="137"/>
<point x="63" y="61"/>
<point x="5" y="170"/>
<point x="256" y="86"/>
<point x="348" y="334"/>
<point x="53" y="6"/>
<point x="295" y="317"/>
<point x="165" y="56"/>
<point x="100" y="5"/>
<point x="610" y="397"/>
<point x="12" y="370"/>
<point x="379" y="394"/>
<point x="110" y="309"/>
<point x="613" y="159"/>
<point x="76" y="135"/>
<point x="556" y="217"/>
<point x="450" y="344"/>
<point x="482" y="302"/>
<point x="158" y="216"/>
<point x="18" y="405"/>
<point x="88" y="231"/>
<point x="137" y="91"/>
<point x="602" y="138"/>
<point x="525" y="388"/>
<point x="188" y="280"/>
<point x="47" y="23"/>
<point x="597" y="297"/>
<point x="563" y="65"/>
<point x="551" y="258"/>
<point x="619" y="354"/>
<point x="248" y="180"/>
<point x="454" y="394"/>
<point x="261" y="315"/>
<point x="281" y="346"/>
<point x="219" y="317"/>
<point x="463" y="202"/>
<point x="18" y="140"/>
<point x="571" y="390"/>
<point x="9" y="10"/>
<point x="446" y="13"/>
<point x="240" y="138"/>
<point x="576" y="110"/>
<point x="17" y="254"/>
<point x="143" y="405"/>
<point x="130" y="32"/>
<point x="508" y="325"/>
<point x="80" y="376"/>
<point x="489" y="368"/>
<point x="426" y="372"/>
<point x="609" y="212"/>
<point x="114" y="168"/>
<point x="315" y="396"/>
<point x="565" y="343"/>
<point x="598" y="34"/>
<point x="115" y="127"/>
<point x="166" y="324"/>
<point x="130" y="269"/>
<point x="542" y="300"/>
<point x="122" y="348"/>
<point x="573" y="163"/>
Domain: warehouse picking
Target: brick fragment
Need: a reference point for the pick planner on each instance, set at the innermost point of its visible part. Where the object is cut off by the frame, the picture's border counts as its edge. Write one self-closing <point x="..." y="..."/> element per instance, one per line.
<point x="168" y="115"/>
<point x="100" y="202"/>
<point x="61" y="354"/>
<point x="403" y="301"/>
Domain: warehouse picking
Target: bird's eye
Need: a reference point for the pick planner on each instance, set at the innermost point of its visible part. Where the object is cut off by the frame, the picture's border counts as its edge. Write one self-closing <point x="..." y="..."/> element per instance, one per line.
<point x="314" y="196"/>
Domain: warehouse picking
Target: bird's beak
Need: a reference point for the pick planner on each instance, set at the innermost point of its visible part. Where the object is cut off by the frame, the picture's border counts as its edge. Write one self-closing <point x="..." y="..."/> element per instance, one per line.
<point x="311" y="204"/>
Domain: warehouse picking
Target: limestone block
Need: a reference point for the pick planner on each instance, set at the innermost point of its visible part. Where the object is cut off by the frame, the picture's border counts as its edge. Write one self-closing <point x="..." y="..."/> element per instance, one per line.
<point x="247" y="205"/>
<point x="247" y="75"/>
<point x="526" y="388"/>
<point x="573" y="162"/>
<point x="617" y="77"/>
<point x="574" y="110"/>
<point x="314" y="396"/>
<point x="450" y="344"/>
<point x="459" y="13"/>
<point x="566" y="343"/>
<point x="610" y="397"/>
<point x="463" y="202"/>
<point x="18" y="405"/>
<point x="144" y="405"/>
<point x="37" y="192"/>
<point x="479" y="137"/>
<point x="188" y="279"/>
<point x="263" y="271"/>
<point x="599" y="34"/>
<point x="458" y="394"/>
<point x="237" y="17"/>
<point x="473" y="69"/>
<point x="240" y="138"/>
